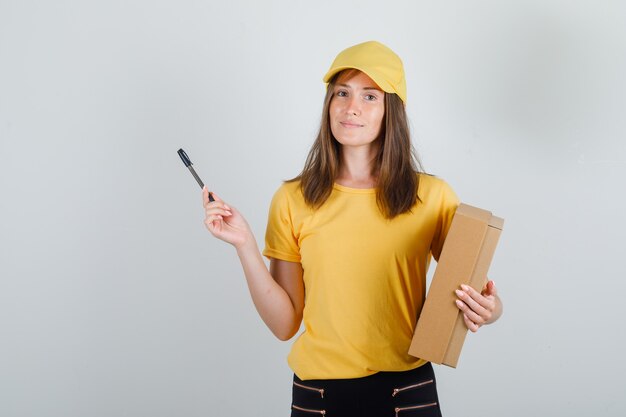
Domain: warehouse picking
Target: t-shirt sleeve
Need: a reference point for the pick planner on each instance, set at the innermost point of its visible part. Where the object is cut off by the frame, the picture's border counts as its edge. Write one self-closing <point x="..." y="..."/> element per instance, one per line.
<point x="448" y="204"/>
<point x="280" y="239"/>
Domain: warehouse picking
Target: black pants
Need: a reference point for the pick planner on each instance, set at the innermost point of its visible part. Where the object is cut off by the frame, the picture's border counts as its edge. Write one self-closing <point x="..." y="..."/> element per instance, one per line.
<point x="385" y="394"/>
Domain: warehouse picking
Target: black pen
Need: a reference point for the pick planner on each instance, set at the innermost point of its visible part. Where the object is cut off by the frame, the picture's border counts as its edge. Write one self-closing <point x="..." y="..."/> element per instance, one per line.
<point x="188" y="164"/>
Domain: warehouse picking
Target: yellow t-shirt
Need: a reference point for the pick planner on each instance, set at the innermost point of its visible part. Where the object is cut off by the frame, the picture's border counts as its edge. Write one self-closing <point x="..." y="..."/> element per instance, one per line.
<point x="364" y="275"/>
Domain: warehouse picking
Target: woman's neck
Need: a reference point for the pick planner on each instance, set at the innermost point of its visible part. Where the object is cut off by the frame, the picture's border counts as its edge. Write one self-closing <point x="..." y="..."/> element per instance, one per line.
<point x="357" y="166"/>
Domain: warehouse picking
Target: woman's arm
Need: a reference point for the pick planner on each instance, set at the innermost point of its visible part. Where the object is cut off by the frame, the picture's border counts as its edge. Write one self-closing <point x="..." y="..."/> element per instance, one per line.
<point x="277" y="294"/>
<point x="479" y="308"/>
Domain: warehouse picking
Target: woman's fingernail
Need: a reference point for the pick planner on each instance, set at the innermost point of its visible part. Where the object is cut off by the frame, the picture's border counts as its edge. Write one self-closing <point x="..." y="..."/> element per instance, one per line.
<point x="459" y="303"/>
<point x="459" y="292"/>
<point x="465" y="287"/>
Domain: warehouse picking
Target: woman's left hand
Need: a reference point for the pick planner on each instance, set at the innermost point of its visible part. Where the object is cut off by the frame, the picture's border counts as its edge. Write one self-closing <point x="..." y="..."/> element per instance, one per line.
<point x="479" y="308"/>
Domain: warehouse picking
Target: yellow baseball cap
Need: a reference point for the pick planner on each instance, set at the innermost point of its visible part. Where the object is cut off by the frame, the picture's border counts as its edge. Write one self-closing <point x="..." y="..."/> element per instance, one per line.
<point x="373" y="58"/>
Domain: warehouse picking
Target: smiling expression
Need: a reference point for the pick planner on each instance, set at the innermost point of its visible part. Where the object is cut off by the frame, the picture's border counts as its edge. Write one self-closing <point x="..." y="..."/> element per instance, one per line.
<point x="357" y="109"/>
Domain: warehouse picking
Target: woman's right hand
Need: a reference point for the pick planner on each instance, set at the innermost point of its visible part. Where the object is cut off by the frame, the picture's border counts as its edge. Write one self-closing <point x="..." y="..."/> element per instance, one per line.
<point x="225" y="222"/>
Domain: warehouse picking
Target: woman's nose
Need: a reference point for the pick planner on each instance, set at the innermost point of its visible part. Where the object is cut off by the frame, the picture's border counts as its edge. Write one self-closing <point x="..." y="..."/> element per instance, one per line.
<point x="354" y="107"/>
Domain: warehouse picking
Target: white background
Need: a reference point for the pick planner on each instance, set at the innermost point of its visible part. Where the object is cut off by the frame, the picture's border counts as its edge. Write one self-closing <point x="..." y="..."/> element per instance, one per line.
<point x="115" y="301"/>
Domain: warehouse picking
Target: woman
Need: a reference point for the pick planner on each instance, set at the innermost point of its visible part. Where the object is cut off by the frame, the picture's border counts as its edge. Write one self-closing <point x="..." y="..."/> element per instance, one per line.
<point x="349" y="242"/>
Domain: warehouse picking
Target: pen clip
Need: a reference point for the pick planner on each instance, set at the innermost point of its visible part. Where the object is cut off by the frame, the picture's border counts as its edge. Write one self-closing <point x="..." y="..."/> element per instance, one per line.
<point x="184" y="157"/>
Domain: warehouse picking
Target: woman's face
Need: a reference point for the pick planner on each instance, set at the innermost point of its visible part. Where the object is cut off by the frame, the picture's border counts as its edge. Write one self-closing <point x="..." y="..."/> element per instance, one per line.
<point x="356" y="110"/>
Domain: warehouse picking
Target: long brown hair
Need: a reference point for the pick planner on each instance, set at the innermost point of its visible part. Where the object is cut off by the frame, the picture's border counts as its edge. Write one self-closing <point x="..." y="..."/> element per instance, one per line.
<point x="396" y="165"/>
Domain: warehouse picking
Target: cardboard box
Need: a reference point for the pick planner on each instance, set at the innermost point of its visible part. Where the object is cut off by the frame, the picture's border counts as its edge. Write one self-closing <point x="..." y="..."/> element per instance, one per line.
<point x="465" y="258"/>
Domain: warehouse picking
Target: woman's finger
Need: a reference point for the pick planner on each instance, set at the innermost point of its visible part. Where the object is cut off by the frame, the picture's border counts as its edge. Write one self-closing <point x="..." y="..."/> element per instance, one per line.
<point x="472" y="303"/>
<point x="490" y="289"/>
<point x="485" y="301"/>
<point x="218" y="210"/>
<point x="213" y="217"/>
<point x="470" y="324"/>
<point x="217" y="203"/>
<point x="205" y="196"/>
<point x="469" y="313"/>
<point x="214" y="223"/>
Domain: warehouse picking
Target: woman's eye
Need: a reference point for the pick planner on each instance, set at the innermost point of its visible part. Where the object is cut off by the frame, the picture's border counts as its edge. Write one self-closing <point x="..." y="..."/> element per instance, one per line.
<point x="370" y="97"/>
<point x="341" y="93"/>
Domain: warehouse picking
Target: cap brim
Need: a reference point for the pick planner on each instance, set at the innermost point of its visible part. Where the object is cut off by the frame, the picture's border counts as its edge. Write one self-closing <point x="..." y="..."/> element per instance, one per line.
<point x="377" y="78"/>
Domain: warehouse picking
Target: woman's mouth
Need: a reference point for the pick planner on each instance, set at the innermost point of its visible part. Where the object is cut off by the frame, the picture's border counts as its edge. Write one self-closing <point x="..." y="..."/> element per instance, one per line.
<point x="350" y="125"/>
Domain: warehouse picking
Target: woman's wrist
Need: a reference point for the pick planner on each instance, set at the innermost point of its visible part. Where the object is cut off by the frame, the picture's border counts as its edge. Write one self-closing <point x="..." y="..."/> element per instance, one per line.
<point x="247" y="245"/>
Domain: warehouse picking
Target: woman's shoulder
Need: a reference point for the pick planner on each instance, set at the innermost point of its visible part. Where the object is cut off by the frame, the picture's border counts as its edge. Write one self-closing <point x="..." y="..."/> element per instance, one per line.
<point x="289" y="188"/>
<point x="288" y="192"/>
<point x="431" y="181"/>
<point x="433" y="187"/>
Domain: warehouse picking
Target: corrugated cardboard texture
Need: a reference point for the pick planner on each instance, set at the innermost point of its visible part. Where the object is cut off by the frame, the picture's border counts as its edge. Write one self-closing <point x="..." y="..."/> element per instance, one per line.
<point x="465" y="259"/>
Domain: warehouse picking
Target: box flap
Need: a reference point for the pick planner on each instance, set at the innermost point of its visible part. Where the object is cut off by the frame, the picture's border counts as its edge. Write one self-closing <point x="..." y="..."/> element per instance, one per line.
<point x="474" y="212"/>
<point x="496" y="222"/>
